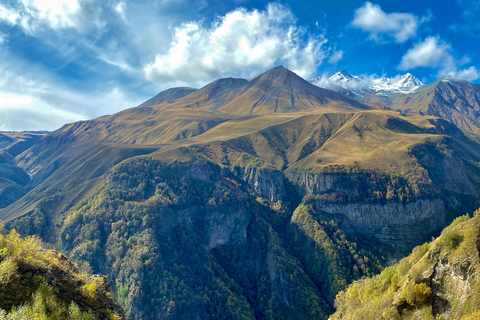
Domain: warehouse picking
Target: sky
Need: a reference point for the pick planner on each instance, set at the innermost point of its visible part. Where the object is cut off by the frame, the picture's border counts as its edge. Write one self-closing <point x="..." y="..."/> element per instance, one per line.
<point x="67" y="60"/>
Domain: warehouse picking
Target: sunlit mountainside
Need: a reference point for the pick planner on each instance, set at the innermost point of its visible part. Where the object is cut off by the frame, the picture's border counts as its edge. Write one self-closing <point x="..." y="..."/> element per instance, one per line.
<point x="257" y="199"/>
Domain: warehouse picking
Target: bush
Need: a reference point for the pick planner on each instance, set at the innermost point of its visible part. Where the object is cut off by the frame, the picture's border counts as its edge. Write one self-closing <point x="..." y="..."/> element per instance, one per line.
<point x="451" y="239"/>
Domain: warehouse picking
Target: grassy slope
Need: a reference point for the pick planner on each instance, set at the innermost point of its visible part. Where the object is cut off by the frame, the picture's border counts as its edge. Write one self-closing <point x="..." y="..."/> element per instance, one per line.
<point x="292" y="141"/>
<point x="439" y="280"/>
<point x="36" y="283"/>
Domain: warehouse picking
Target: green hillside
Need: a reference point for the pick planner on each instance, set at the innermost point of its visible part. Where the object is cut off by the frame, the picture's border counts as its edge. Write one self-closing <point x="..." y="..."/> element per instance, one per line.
<point x="439" y="280"/>
<point x="255" y="199"/>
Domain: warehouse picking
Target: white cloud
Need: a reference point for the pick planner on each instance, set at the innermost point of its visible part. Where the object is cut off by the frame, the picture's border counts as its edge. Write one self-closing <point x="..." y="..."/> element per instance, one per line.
<point x="3" y="38"/>
<point x="399" y="26"/>
<point x="32" y="100"/>
<point x="470" y="74"/>
<point x="433" y="52"/>
<point x="336" y="56"/>
<point x="241" y="43"/>
<point x="121" y="9"/>
<point x="31" y="15"/>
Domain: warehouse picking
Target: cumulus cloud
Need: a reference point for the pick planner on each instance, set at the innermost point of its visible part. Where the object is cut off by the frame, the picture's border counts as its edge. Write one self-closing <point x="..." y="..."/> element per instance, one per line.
<point x="104" y="56"/>
<point x="432" y="52"/>
<point x="241" y="43"/>
<point x="435" y="53"/>
<point x="399" y="26"/>
<point x="470" y="74"/>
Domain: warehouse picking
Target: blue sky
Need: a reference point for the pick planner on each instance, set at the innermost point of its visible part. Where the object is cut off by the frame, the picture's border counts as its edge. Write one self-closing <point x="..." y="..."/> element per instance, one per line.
<point x="67" y="60"/>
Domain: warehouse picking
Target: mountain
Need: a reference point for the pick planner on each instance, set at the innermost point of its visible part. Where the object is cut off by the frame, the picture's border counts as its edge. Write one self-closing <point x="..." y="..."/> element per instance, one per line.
<point x="169" y="95"/>
<point x="12" y="180"/>
<point x="343" y="76"/>
<point x="454" y="100"/>
<point x="438" y="280"/>
<point x="362" y="87"/>
<point x="15" y="143"/>
<point x="37" y="283"/>
<point x="257" y="199"/>
<point x="276" y="91"/>
<point x="403" y="84"/>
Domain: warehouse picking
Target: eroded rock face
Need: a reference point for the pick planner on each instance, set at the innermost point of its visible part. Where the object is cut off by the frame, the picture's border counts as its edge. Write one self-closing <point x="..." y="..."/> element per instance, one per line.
<point x="228" y="225"/>
<point x="267" y="183"/>
<point x="396" y="224"/>
<point x="314" y="183"/>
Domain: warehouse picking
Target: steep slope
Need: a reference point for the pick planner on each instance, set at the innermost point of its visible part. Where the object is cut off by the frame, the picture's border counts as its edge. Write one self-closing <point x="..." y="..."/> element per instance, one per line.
<point x="189" y="239"/>
<point x="280" y="90"/>
<point x="12" y="180"/>
<point x="15" y="143"/>
<point x="439" y="280"/>
<point x="457" y="101"/>
<point x="169" y="96"/>
<point x="37" y="283"/>
<point x="192" y="115"/>
<point x="209" y="208"/>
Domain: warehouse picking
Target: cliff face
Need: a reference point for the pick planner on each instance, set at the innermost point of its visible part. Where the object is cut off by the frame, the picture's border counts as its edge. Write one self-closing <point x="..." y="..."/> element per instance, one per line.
<point x="210" y="240"/>
<point x="314" y="183"/>
<point x="267" y="183"/>
<point x="401" y="225"/>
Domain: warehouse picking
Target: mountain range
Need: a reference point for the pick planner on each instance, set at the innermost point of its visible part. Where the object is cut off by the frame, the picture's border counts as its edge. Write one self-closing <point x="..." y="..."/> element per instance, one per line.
<point x="251" y="199"/>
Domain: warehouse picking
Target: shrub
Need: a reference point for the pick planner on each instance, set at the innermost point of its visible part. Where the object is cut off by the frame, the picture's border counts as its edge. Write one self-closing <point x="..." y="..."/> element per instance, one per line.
<point x="451" y="239"/>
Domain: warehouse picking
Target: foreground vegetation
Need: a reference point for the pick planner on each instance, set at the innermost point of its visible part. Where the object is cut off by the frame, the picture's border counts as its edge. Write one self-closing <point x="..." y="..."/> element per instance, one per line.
<point x="439" y="280"/>
<point x="40" y="284"/>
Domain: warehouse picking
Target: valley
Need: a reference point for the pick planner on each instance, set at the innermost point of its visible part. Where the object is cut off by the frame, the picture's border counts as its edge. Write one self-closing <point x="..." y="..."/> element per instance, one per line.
<point x="255" y="199"/>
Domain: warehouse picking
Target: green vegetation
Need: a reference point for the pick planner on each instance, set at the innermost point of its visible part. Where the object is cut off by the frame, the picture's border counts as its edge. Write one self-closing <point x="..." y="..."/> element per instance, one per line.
<point x="41" y="284"/>
<point x="200" y="244"/>
<point x="330" y="257"/>
<point x="374" y="186"/>
<point x="183" y="233"/>
<point x="437" y="281"/>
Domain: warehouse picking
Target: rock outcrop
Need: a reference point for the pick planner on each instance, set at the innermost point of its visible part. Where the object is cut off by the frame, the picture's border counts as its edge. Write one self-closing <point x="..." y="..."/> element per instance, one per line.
<point x="267" y="183"/>
<point x="401" y="225"/>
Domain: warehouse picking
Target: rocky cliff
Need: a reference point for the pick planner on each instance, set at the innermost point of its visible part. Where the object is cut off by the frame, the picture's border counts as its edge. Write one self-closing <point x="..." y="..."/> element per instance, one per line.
<point x="401" y="225"/>
<point x="267" y="183"/>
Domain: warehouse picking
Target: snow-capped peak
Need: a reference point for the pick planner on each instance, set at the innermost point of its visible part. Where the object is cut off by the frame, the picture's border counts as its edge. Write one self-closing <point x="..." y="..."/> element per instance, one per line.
<point x="365" y="85"/>
<point x="343" y="76"/>
<point x="406" y="83"/>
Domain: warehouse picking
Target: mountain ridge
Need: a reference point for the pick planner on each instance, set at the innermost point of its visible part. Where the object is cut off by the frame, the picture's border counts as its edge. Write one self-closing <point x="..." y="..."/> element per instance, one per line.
<point x="361" y="86"/>
<point x="244" y="199"/>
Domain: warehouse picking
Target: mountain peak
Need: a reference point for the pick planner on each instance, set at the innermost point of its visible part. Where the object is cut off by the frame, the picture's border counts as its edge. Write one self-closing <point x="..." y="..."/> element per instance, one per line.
<point x="343" y="76"/>
<point x="405" y="83"/>
<point x="276" y="72"/>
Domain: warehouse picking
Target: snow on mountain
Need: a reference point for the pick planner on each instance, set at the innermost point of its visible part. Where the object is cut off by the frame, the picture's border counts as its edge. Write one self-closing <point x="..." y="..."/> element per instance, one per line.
<point x="362" y="85"/>
<point x="406" y="83"/>
<point x="343" y="76"/>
